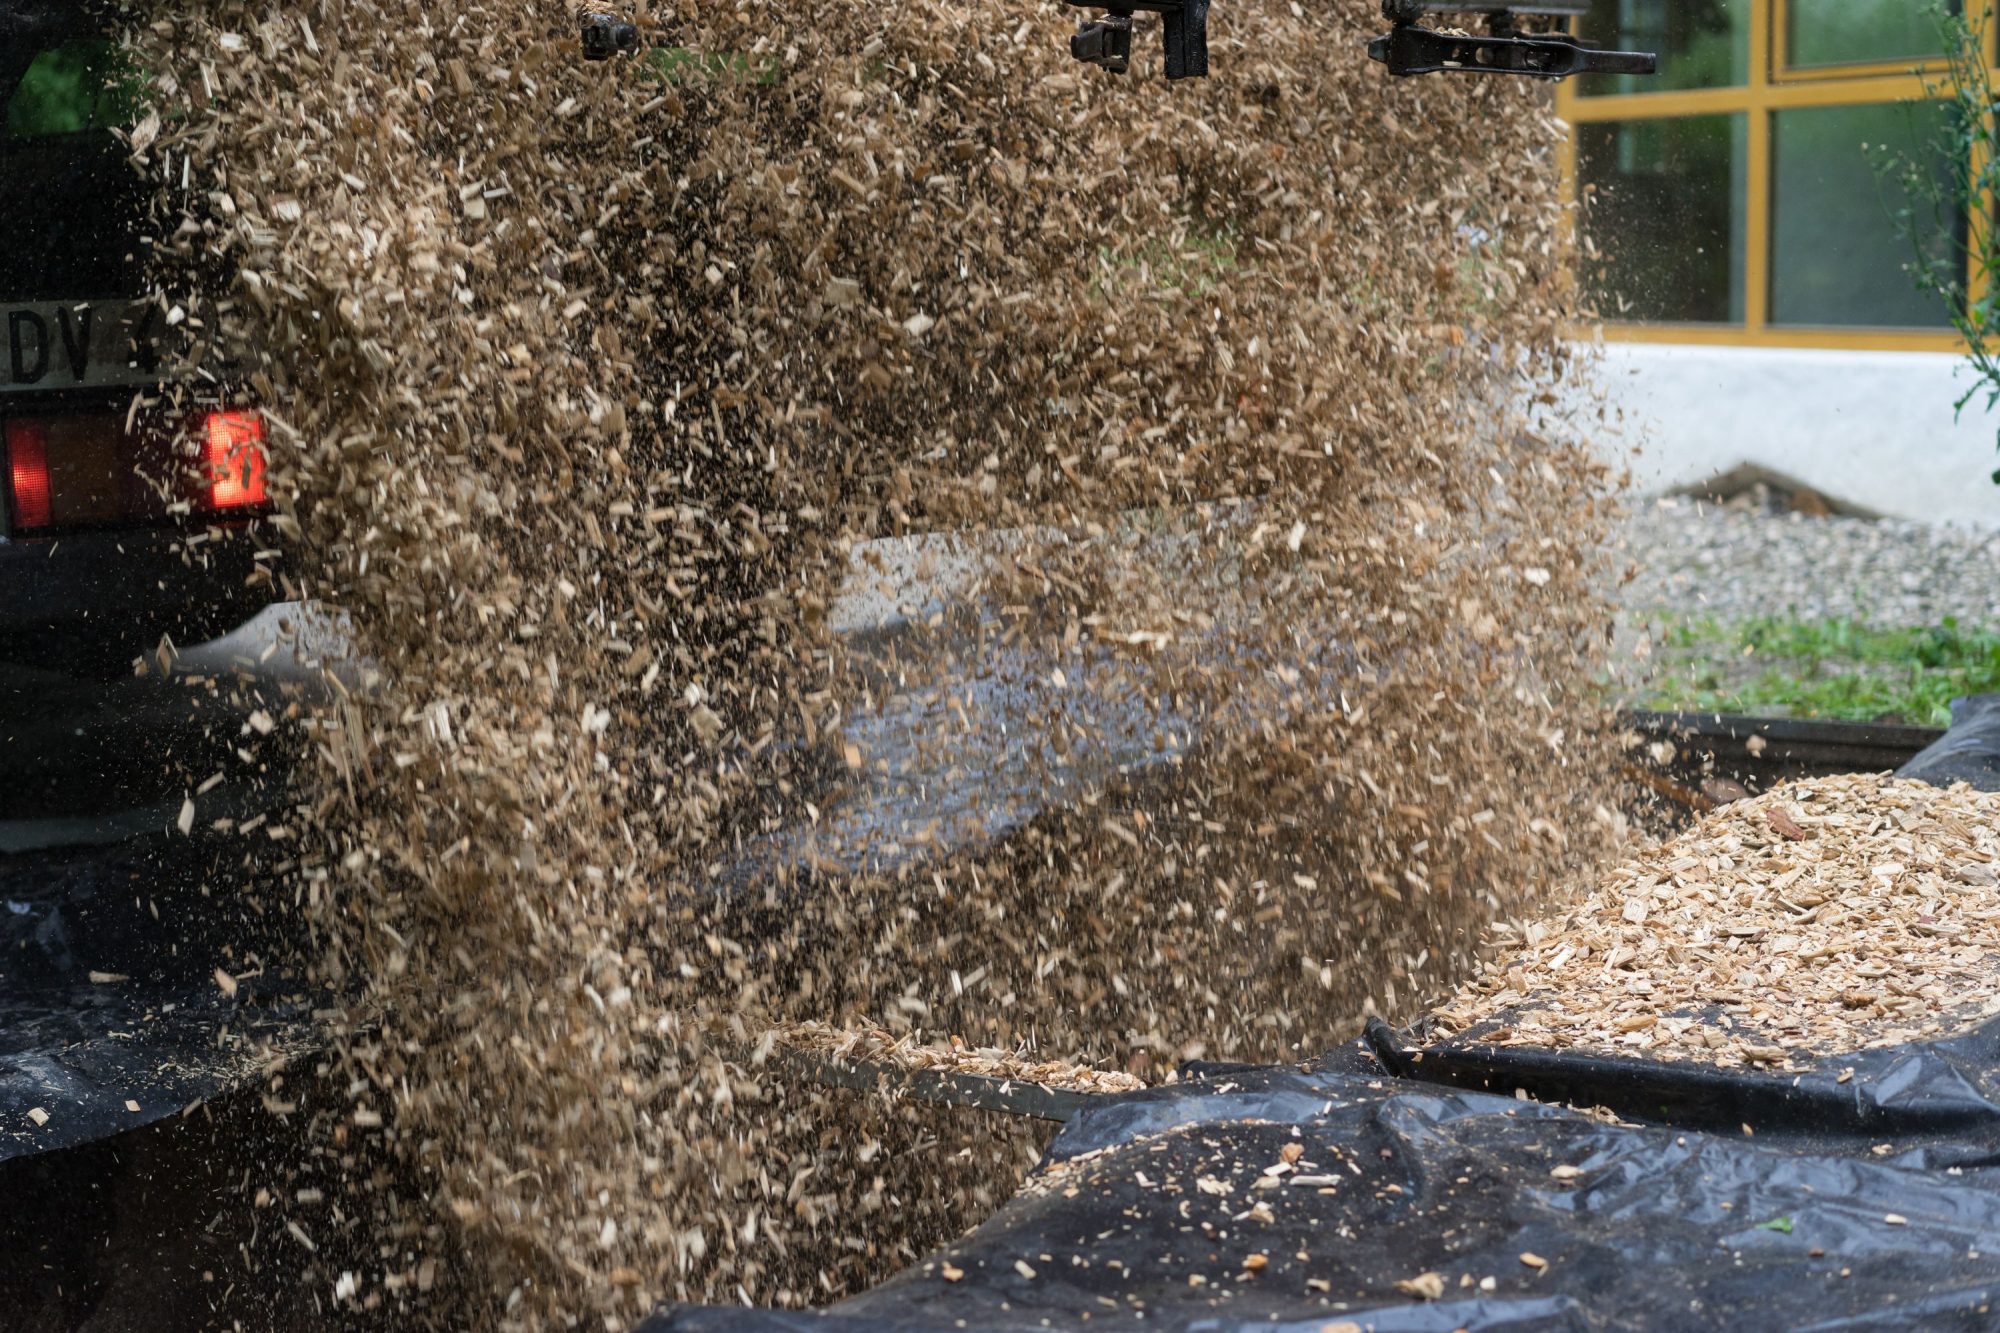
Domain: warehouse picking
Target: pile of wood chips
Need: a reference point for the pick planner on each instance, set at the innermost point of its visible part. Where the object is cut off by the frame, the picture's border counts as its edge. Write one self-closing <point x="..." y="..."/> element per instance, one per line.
<point x="1825" y="916"/>
<point x="879" y="1046"/>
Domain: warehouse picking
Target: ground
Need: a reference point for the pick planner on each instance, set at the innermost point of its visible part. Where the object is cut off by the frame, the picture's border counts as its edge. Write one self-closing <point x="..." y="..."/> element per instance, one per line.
<point x="1751" y="606"/>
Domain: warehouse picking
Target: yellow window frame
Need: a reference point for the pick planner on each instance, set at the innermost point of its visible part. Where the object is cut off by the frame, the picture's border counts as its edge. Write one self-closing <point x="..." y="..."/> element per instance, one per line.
<point x="1769" y="89"/>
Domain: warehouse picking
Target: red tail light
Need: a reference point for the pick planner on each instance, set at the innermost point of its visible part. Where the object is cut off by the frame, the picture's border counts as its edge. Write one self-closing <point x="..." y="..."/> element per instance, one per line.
<point x="75" y="471"/>
<point x="28" y="466"/>
<point x="234" y="453"/>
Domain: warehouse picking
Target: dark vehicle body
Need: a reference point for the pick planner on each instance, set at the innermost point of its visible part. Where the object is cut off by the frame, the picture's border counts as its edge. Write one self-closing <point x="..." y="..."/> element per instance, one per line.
<point x="131" y="493"/>
<point x="117" y="524"/>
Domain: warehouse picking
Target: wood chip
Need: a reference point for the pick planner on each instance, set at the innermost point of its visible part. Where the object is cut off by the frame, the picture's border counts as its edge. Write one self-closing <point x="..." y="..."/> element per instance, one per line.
<point x="582" y="386"/>
<point x="879" y="1046"/>
<point x="1822" y="937"/>
<point x="1784" y="823"/>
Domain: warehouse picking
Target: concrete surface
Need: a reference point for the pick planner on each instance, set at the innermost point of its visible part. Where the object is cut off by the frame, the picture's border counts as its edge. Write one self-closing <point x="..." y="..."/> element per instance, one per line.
<point x="1870" y="429"/>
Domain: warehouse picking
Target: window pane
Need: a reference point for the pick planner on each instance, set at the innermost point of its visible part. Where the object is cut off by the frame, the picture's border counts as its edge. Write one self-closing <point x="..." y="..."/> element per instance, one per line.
<point x="1665" y="216"/>
<point x="1701" y="43"/>
<point x="1841" y="32"/>
<point x="70" y="89"/>
<point x="1837" y="256"/>
<point x="73" y="202"/>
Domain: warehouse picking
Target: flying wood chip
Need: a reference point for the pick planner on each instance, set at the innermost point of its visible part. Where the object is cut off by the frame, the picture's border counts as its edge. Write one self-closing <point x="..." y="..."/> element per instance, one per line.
<point x="605" y="389"/>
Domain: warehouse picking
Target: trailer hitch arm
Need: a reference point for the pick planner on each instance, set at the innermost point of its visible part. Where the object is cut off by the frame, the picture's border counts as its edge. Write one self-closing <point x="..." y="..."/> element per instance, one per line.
<point x="1409" y="49"/>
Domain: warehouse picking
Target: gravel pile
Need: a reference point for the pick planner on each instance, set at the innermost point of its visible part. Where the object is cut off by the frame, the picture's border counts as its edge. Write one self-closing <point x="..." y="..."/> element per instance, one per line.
<point x="1700" y="559"/>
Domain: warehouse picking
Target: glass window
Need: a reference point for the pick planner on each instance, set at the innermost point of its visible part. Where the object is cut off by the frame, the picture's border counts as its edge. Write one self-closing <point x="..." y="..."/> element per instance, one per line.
<point x="1846" y="32"/>
<point x="1701" y="43"/>
<point x="70" y="89"/>
<point x="1665" y="208"/>
<point x="74" y="205"/>
<point x="1837" y="257"/>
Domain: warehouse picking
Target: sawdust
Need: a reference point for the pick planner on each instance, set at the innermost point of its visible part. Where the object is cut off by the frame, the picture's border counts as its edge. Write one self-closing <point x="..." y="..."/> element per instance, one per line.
<point x="1824" y="916"/>
<point x="582" y="385"/>
<point x="880" y="1047"/>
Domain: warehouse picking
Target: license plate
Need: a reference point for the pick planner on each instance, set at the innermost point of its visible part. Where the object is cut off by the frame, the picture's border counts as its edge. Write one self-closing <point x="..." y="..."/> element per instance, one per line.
<point x="82" y="345"/>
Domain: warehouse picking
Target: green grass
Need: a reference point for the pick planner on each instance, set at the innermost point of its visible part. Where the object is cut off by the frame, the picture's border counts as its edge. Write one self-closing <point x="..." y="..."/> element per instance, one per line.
<point x="1203" y="257"/>
<point x="682" y="66"/>
<point x="1836" y="669"/>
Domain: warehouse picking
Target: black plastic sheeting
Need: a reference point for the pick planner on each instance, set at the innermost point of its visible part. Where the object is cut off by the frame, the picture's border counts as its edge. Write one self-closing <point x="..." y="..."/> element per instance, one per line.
<point x="111" y="1017"/>
<point x="1869" y="1203"/>
<point x="108" y="998"/>
<point x="1408" y="1189"/>
<point x="158" y="911"/>
<point x="1968" y="752"/>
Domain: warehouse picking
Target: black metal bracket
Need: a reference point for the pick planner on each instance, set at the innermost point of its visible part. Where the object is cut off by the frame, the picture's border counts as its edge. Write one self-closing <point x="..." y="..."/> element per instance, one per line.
<point x="605" y="36"/>
<point x="1106" y="42"/>
<point x="1409" y="49"/>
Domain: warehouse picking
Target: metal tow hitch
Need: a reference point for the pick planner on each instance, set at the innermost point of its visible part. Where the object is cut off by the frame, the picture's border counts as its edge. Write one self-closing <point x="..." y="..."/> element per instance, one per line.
<point x="1106" y="42"/>
<point x="605" y="36"/>
<point x="1410" y="49"/>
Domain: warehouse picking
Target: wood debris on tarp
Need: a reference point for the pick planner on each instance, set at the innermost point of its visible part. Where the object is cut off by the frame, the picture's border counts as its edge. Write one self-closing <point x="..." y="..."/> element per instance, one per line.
<point x="1823" y="916"/>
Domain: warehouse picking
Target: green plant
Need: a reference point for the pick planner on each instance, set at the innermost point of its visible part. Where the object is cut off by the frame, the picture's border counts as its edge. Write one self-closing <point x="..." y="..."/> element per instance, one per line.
<point x="1190" y="263"/>
<point x="681" y="66"/>
<point x="1965" y="273"/>
<point x="72" y="89"/>
<point x="1824" y="668"/>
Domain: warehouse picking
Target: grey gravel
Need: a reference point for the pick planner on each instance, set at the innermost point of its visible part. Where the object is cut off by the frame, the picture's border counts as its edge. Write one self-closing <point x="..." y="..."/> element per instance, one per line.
<point x="1700" y="559"/>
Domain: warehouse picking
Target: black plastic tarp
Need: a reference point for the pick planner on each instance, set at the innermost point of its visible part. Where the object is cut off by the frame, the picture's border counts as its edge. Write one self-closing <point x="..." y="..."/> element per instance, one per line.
<point x="1968" y="752"/>
<point x="1869" y="1202"/>
<point x="1403" y="1188"/>
<point x="111" y="1014"/>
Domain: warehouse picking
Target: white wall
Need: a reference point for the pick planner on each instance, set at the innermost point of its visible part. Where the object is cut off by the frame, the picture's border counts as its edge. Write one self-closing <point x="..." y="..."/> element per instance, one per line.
<point x="1874" y="429"/>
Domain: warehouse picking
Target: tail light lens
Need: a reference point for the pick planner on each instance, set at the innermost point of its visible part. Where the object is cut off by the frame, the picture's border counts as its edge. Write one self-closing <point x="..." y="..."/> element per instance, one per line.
<point x="84" y="470"/>
<point x="28" y="473"/>
<point x="233" y="450"/>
